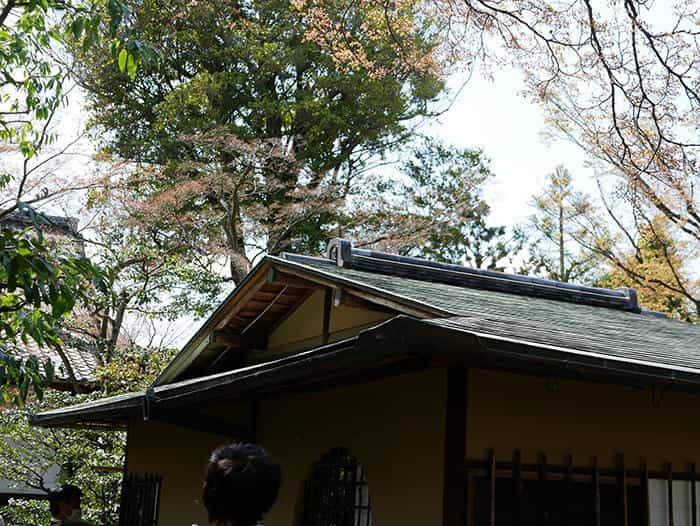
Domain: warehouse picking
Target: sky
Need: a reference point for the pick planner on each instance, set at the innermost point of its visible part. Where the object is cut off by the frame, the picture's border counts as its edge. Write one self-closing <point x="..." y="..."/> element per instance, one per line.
<point x="493" y="116"/>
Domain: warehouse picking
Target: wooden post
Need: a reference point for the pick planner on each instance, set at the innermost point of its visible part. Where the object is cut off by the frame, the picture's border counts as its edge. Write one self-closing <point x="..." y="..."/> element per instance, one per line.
<point x="596" y="491"/>
<point x="455" y="473"/>
<point x="645" y="493"/>
<point x="569" y="485"/>
<point x="517" y="482"/>
<point x="669" y="474"/>
<point x="492" y="488"/>
<point x="693" y="496"/>
<point x="541" y="499"/>
<point x="327" y="304"/>
<point x="623" y="487"/>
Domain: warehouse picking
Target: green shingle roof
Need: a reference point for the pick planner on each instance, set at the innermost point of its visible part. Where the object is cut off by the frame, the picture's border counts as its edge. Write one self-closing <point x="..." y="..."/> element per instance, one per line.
<point x="606" y="332"/>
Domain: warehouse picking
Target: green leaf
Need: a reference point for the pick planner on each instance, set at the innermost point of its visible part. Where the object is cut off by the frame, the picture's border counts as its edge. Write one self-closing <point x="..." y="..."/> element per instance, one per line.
<point x="123" y="54"/>
<point x="116" y="13"/>
<point x="131" y="66"/>
<point x="77" y="27"/>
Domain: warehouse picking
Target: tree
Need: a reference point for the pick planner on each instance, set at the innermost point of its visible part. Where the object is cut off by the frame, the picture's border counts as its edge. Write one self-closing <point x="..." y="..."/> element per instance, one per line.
<point x="554" y="228"/>
<point x="145" y="280"/>
<point x="91" y="459"/>
<point x="436" y="210"/>
<point x="38" y="287"/>
<point x="619" y="79"/>
<point x="657" y="267"/>
<point x="645" y="252"/>
<point x="33" y="34"/>
<point x="246" y="137"/>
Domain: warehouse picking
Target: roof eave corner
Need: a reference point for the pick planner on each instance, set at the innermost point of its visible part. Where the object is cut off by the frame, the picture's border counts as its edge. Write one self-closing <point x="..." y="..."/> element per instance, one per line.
<point x="193" y="347"/>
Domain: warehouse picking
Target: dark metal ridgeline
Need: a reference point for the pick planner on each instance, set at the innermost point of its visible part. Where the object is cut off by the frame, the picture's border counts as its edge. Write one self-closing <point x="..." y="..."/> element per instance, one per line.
<point x="345" y="255"/>
<point x="498" y="496"/>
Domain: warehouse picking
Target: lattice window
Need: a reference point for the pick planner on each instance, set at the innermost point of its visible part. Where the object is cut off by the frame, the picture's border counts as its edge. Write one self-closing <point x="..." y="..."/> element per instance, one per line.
<point x="337" y="493"/>
<point x="140" y="500"/>
<point x="510" y="493"/>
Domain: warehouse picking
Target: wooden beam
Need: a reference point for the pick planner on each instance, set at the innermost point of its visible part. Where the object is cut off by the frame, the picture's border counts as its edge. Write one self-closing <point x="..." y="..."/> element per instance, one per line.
<point x="260" y="302"/>
<point x="541" y="503"/>
<point x="231" y="339"/>
<point x="346" y="299"/>
<point x="224" y="338"/>
<point x="417" y="309"/>
<point x="646" y="506"/>
<point x="250" y="289"/>
<point x="517" y="486"/>
<point x="669" y="471"/>
<point x="275" y="277"/>
<point x="569" y="478"/>
<point x="492" y="488"/>
<point x="693" y="496"/>
<point x="223" y="343"/>
<point x="455" y="473"/>
<point x="596" y="491"/>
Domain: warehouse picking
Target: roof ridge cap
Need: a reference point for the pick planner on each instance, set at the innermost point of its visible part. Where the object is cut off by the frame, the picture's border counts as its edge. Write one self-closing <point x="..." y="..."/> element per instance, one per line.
<point x="344" y="254"/>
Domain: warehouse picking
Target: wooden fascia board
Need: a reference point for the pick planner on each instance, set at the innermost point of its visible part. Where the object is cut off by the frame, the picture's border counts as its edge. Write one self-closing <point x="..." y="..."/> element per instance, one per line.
<point x="227" y="310"/>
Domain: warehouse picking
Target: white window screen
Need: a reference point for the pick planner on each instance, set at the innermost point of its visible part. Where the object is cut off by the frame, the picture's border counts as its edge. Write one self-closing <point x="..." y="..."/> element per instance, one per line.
<point x="682" y="502"/>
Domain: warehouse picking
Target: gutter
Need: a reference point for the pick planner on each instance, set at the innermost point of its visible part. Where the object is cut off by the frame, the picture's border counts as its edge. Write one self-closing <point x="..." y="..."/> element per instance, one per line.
<point x="401" y="337"/>
<point x="507" y="352"/>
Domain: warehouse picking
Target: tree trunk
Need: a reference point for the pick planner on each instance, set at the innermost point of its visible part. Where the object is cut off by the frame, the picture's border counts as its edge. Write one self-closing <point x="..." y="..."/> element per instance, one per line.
<point x="239" y="264"/>
<point x="69" y="369"/>
<point x="117" y="323"/>
<point x="562" y="255"/>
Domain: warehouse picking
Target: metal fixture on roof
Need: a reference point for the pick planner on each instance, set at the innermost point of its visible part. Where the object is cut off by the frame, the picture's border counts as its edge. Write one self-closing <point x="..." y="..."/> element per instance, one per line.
<point x="345" y="255"/>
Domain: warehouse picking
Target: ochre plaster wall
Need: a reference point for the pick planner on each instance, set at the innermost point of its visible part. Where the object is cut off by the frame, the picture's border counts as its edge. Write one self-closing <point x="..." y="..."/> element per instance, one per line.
<point x="394" y="427"/>
<point x="304" y="327"/>
<point x="508" y="411"/>
<point x="179" y="456"/>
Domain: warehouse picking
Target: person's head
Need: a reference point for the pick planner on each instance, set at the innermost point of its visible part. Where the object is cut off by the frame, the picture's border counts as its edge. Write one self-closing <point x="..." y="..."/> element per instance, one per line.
<point x="241" y="485"/>
<point x="65" y="502"/>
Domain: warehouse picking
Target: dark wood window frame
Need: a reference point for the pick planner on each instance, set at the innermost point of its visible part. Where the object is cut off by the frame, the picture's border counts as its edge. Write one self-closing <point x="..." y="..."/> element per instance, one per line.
<point x="337" y="492"/>
<point x="140" y="501"/>
<point x="488" y="472"/>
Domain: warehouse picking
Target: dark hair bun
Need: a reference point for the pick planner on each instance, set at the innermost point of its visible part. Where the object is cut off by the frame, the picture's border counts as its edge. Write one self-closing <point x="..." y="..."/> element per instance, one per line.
<point x="241" y="484"/>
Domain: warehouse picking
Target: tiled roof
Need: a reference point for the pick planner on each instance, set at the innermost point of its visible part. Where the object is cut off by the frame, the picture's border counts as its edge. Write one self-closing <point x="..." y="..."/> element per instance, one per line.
<point x="82" y="359"/>
<point x="22" y="491"/>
